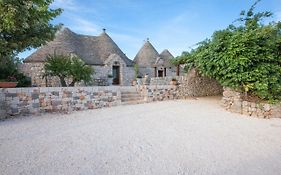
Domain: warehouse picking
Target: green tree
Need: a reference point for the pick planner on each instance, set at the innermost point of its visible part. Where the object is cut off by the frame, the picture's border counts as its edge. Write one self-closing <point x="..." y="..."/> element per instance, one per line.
<point x="246" y="57"/>
<point x="25" y="24"/>
<point x="79" y="71"/>
<point x="8" y="70"/>
<point x="66" y="68"/>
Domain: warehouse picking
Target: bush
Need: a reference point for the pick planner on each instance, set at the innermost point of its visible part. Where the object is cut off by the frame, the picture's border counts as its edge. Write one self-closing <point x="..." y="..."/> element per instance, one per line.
<point x="67" y="67"/>
<point x="246" y="57"/>
<point x="9" y="72"/>
<point x="23" y="81"/>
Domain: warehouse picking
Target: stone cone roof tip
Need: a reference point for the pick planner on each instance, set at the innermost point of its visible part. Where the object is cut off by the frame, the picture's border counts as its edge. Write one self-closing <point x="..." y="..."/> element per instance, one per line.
<point x="94" y="50"/>
<point x="166" y="56"/>
<point x="147" y="55"/>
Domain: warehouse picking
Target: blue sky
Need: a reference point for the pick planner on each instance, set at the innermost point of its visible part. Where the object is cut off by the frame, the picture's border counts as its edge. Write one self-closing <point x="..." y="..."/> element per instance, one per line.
<point x="176" y="25"/>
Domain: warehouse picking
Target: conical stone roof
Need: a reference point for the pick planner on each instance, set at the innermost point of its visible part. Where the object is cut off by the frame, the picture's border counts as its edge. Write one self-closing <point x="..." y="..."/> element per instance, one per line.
<point x="147" y="55"/>
<point x="94" y="50"/>
<point x="166" y="56"/>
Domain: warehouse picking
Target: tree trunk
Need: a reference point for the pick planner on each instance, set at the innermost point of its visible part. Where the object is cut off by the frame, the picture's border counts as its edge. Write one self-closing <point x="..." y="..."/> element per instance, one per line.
<point x="72" y="83"/>
<point x="178" y="70"/>
<point x="62" y="81"/>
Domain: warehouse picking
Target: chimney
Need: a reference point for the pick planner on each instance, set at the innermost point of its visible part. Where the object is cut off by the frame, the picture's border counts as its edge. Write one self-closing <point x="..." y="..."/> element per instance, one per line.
<point x="104" y="30"/>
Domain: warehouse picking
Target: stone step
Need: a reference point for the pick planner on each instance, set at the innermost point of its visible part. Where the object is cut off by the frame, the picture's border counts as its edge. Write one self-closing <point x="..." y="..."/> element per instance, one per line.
<point x="131" y="99"/>
<point x="130" y="95"/>
<point x="133" y="102"/>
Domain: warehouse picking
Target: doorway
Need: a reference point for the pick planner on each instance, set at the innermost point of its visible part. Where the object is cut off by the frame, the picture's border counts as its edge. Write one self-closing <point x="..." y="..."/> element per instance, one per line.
<point x="116" y="75"/>
<point x="160" y="73"/>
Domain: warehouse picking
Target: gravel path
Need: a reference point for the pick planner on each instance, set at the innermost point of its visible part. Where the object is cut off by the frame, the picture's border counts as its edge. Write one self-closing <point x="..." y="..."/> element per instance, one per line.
<point x="173" y="137"/>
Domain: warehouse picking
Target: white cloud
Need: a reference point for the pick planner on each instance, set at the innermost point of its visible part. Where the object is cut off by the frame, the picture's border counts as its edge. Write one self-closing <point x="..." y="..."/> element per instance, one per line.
<point x="83" y="26"/>
<point x="65" y="4"/>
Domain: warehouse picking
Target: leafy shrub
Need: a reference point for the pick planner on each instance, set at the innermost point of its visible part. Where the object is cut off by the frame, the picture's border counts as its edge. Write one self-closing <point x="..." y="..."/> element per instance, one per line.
<point x="66" y="67"/>
<point x="9" y="72"/>
<point x="246" y="57"/>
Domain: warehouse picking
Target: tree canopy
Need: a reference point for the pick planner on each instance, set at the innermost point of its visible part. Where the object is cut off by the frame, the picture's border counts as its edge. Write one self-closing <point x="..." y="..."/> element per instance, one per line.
<point x="245" y="56"/>
<point x="25" y="24"/>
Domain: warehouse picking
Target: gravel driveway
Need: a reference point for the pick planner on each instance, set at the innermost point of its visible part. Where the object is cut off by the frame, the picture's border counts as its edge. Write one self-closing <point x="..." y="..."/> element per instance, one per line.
<point x="172" y="137"/>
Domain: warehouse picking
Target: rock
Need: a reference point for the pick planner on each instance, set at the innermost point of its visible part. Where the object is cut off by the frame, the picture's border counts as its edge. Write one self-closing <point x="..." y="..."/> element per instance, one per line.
<point x="266" y="107"/>
<point x="253" y="105"/>
<point x="244" y="103"/>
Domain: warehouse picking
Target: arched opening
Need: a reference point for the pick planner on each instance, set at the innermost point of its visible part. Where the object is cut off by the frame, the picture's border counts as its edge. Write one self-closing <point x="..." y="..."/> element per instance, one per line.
<point x="116" y="75"/>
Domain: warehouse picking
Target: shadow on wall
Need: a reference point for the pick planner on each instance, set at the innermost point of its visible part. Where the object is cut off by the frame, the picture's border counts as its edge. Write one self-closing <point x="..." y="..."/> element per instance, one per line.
<point x="196" y="85"/>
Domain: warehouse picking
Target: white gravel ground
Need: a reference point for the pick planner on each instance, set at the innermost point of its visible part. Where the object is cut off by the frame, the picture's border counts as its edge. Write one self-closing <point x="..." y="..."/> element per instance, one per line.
<point x="173" y="137"/>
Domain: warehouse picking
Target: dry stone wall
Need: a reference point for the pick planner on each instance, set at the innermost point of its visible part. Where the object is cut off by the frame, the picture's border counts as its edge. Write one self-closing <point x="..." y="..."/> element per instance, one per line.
<point x="26" y="101"/>
<point x="34" y="101"/>
<point x="233" y="102"/>
<point x="158" y="93"/>
<point x="191" y="85"/>
<point x="196" y="85"/>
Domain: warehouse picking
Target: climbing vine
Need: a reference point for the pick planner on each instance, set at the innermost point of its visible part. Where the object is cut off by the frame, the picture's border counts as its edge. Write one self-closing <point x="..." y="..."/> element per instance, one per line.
<point x="245" y="56"/>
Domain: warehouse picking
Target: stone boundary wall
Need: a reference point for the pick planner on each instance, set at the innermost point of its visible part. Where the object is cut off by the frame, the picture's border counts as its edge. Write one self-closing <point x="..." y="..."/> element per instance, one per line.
<point x="159" y="93"/>
<point x="191" y="85"/>
<point x="164" y="80"/>
<point x="27" y="101"/>
<point x="196" y="85"/>
<point x="34" y="101"/>
<point x="233" y="102"/>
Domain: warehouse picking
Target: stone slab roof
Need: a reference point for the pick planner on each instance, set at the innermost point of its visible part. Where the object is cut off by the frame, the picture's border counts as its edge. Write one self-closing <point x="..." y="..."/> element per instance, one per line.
<point x="166" y="56"/>
<point x="147" y="55"/>
<point x="94" y="50"/>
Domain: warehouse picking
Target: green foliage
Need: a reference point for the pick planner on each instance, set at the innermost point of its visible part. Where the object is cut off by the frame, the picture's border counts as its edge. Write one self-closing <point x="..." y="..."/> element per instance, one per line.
<point x="66" y="67"/>
<point x="79" y="71"/>
<point x="23" y="81"/>
<point x="246" y="57"/>
<point x="9" y="72"/>
<point x="136" y="70"/>
<point x="183" y="59"/>
<point x="25" y="24"/>
<point x="8" y="67"/>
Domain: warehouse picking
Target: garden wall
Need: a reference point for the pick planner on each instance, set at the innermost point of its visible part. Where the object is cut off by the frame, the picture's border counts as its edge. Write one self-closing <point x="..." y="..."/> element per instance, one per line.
<point x="233" y="102"/>
<point x="191" y="85"/>
<point x="26" y="101"/>
<point x="159" y="93"/>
